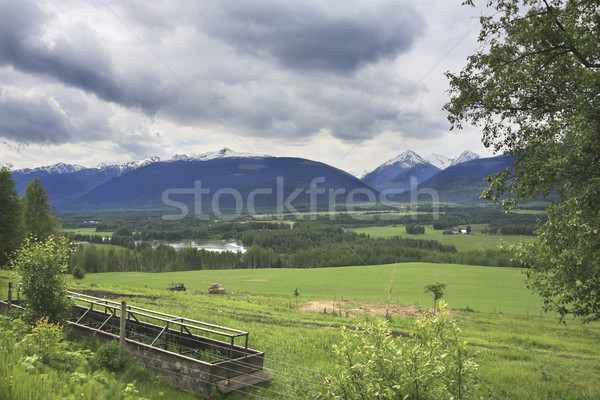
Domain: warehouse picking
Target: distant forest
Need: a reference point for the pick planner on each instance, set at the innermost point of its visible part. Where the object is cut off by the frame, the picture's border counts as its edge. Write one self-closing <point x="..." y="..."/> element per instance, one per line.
<point x="320" y="242"/>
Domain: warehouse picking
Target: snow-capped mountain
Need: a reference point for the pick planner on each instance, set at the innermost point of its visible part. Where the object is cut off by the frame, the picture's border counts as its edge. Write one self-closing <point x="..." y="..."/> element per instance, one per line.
<point x="405" y="160"/>
<point x="442" y="162"/>
<point x="60" y="168"/>
<point x="439" y="160"/>
<point x="211" y="155"/>
<point x="65" y="180"/>
<point x="401" y="173"/>
<point x="465" y="156"/>
<point x="143" y="184"/>
<point x="408" y="170"/>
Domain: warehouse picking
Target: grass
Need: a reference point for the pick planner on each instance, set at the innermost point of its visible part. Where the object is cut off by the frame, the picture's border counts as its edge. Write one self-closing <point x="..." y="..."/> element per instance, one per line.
<point x="474" y="241"/>
<point x="86" y="231"/>
<point x="485" y="289"/>
<point x="520" y="356"/>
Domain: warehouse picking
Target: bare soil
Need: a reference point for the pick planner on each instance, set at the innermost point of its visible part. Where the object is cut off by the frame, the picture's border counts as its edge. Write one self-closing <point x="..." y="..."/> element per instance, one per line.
<point x="112" y="295"/>
<point x="359" y="308"/>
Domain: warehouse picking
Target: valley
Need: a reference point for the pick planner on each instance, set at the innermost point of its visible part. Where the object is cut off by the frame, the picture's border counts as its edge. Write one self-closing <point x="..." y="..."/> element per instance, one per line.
<point x="311" y="266"/>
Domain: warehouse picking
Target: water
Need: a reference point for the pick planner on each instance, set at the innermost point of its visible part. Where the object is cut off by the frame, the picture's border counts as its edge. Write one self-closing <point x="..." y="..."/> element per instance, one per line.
<point x="210" y="245"/>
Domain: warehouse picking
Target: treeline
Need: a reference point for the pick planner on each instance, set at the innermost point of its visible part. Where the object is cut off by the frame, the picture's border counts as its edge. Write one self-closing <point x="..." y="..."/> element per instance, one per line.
<point x="150" y="225"/>
<point x="345" y="255"/>
<point x="498" y="222"/>
<point x="164" y="258"/>
<point x="510" y="229"/>
<point x="312" y="235"/>
<point x="307" y="245"/>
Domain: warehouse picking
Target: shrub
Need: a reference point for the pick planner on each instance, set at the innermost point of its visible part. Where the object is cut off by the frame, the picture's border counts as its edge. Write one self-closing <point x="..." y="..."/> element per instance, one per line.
<point x="41" y="268"/>
<point x="433" y="363"/>
<point x="108" y="356"/>
<point x="45" y="342"/>
<point x="78" y="273"/>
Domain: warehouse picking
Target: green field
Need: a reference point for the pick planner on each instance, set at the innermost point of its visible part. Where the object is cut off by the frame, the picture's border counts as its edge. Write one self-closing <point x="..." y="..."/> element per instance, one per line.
<point x="486" y="289"/>
<point x="86" y="231"/>
<point x="474" y="241"/>
<point x="519" y="356"/>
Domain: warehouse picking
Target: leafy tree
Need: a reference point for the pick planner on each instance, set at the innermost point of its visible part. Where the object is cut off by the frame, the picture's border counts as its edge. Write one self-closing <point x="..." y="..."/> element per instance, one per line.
<point x="11" y="215"/>
<point x="41" y="268"/>
<point x="436" y="289"/>
<point x="39" y="220"/>
<point x="415" y="229"/>
<point x="533" y="88"/>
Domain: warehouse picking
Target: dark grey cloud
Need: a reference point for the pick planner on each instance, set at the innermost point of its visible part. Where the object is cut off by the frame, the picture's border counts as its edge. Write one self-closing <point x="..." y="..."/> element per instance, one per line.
<point x="76" y="59"/>
<point x="34" y="119"/>
<point x="309" y="37"/>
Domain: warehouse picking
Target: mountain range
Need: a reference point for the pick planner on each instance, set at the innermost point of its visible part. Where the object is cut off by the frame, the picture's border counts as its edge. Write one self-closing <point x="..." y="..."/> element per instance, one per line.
<point x="408" y="169"/>
<point x="230" y="179"/>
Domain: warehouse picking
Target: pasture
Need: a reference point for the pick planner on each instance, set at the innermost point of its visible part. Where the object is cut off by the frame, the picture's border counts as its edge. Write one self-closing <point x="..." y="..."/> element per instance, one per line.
<point x="474" y="241"/>
<point x="485" y="289"/>
<point x="519" y="356"/>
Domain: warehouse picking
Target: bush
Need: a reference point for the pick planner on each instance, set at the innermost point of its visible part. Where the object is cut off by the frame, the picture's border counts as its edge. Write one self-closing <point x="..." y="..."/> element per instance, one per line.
<point x="107" y="356"/>
<point x="41" y="268"/>
<point x="432" y="364"/>
<point x="415" y="229"/>
<point x="45" y="342"/>
<point x="78" y="273"/>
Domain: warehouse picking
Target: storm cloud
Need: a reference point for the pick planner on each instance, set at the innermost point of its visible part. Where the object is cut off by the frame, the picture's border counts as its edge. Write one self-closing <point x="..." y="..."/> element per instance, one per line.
<point x="312" y="36"/>
<point x="206" y="73"/>
<point x="75" y="58"/>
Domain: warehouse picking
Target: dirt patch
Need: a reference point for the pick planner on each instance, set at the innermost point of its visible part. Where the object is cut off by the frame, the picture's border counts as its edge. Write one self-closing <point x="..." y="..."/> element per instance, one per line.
<point x="113" y="295"/>
<point x="360" y="308"/>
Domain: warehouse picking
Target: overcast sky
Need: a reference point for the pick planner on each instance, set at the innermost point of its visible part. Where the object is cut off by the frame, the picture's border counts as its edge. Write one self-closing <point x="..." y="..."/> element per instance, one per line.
<point x="350" y="83"/>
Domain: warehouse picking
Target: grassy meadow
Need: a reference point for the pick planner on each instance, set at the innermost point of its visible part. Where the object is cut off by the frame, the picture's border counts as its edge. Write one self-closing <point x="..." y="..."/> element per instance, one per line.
<point x="474" y="241"/>
<point x="486" y="289"/>
<point x="519" y="356"/>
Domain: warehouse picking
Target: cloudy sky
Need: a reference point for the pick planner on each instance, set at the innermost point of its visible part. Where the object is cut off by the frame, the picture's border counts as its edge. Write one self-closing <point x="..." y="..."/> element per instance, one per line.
<point x="351" y="83"/>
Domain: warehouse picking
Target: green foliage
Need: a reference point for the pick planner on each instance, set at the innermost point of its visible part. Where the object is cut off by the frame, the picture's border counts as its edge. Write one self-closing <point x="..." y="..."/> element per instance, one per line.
<point x="38" y="217"/>
<point x="533" y="88"/>
<point x="436" y="289"/>
<point x="11" y="216"/>
<point x="41" y="268"/>
<point x="415" y="229"/>
<point x="45" y="342"/>
<point x="78" y="272"/>
<point x="66" y="370"/>
<point x="564" y="259"/>
<point x="433" y="363"/>
<point x="108" y="356"/>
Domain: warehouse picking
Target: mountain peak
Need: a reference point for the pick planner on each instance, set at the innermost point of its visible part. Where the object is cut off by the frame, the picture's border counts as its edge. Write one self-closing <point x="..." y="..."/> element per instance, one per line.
<point x="466" y="155"/>
<point x="211" y="155"/>
<point x="59" y="168"/>
<point x="439" y="160"/>
<point x="442" y="162"/>
<point x="406" y="159"/>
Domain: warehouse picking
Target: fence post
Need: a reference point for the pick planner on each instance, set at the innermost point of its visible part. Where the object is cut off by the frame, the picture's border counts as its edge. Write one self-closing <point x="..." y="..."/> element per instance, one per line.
<point x="123" y="327"/>
<point x="9" y="293"/>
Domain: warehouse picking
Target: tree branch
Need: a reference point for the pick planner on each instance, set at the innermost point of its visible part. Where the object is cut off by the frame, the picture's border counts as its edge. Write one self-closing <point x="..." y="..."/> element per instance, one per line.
<point x="571" y="46"/>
